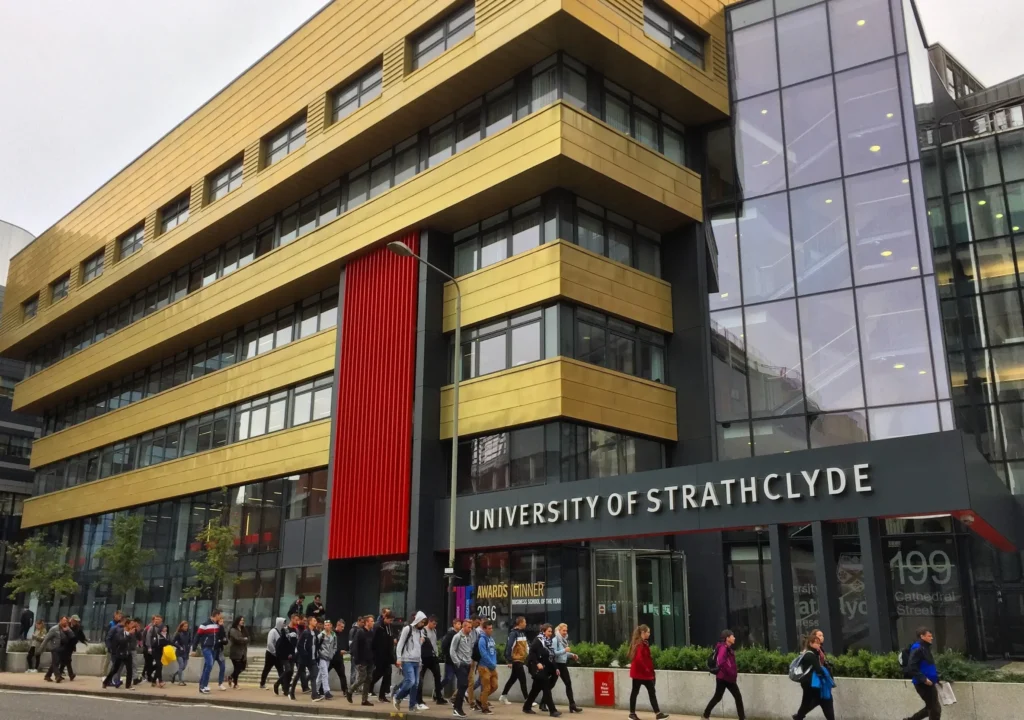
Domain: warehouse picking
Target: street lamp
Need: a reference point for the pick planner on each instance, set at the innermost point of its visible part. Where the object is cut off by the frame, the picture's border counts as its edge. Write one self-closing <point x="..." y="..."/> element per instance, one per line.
<point x="403" y="250"/>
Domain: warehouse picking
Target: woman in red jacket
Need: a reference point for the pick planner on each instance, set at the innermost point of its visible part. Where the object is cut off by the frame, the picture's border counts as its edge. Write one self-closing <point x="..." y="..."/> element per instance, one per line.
<point x="641" y="670"/>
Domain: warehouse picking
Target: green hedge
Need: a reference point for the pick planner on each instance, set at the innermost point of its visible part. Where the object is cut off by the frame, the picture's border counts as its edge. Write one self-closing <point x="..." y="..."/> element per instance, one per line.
<point x="859" y="664"/>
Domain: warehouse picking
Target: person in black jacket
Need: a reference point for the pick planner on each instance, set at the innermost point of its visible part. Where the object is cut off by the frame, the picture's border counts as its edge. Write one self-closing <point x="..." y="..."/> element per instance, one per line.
<point x="814" y="664"/>
<point x="284" y="651"/>
<point x="541" y="662"/>
<point x="337" y="663"/>
<point x="362" y="659"/>
<point x="316" y="609"/>
<point x="123" y="642"/>
<point x="356" y="627"/>
<point x="27" y="620"/>
<point x="429" y="653"/>
<point x="73" y="637"/>
<point x="298" y="607"/>
<point x="383" y="655"/>
<point x="305" y="659"/>
<point x="450" y="675"/>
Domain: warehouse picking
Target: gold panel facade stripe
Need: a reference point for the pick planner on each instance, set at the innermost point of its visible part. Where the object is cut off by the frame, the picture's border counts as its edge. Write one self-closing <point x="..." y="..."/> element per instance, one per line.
<point x="280" y="453"/>
<point x="561" y="388"/>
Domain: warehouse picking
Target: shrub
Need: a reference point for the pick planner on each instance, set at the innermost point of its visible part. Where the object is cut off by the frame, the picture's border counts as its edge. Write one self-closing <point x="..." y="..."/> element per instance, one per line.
<point x="853" y="664"/>
<point x="954" y="666"/>
<point x="690" y="657"/>
<point x="596" y="655"/>
<point x="96" y="649"/>
<point x="622" y="654"/>
<point x="17" y="646"/>
<point x="762" y="661"/>
<point x="886" y="666"/>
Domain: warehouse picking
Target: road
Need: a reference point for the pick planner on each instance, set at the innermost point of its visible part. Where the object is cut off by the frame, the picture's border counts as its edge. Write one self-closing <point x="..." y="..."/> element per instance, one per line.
<point x="29" y="705"/>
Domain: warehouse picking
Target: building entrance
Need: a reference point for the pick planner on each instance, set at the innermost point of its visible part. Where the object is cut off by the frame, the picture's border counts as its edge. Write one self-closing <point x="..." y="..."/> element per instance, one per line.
<point x="633" y="587"/>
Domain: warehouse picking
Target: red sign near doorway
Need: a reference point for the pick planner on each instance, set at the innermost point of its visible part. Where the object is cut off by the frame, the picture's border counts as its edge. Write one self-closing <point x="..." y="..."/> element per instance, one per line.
<point x="604" y="688"/>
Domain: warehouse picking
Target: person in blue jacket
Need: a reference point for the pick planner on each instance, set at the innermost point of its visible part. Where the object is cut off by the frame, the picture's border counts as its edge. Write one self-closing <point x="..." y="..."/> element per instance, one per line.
<point x="488" y="666"/>
<point x="925" y="676"/>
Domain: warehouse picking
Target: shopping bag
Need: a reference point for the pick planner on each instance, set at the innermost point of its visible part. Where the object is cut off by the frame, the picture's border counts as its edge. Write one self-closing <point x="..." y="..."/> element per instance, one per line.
<point x="946" y="696"/>
<point x="169" y="655"/>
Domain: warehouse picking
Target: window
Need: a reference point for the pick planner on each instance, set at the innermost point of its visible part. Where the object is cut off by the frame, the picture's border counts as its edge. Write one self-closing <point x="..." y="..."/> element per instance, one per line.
<point x="606" y="233"/>
<point x="92" y="268"/>
<point x="349" y="98"/>
<point x="668" y="29"/>
<point x="618" y="345"/>
<point x="174" y="214"/>
<point x="286" y="140"/>
<point x="7" y="386"/>
<point x="224" y="181"/>
<point x="503" y="344"/>
<point x="131" y="242"/>
<point x="30" y="307"/>
<point x="443" y="35"/>
<point x="59" y="288"/>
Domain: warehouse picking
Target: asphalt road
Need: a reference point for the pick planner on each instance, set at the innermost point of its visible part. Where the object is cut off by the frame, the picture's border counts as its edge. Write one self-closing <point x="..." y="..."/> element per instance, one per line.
<point x="27" y="705"/>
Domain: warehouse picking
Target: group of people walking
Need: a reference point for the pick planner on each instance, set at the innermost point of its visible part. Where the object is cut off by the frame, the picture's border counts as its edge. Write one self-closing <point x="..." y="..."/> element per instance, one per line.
<point x="60" y="642"/>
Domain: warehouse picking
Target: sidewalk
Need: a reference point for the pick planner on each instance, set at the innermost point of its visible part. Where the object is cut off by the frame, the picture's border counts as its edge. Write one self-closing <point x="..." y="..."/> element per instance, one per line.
<point x="250" y="696"/>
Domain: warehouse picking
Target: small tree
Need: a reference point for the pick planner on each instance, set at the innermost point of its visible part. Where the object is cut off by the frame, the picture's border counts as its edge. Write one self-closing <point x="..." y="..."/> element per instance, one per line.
<point x="211" y="568"/>
<point x="123" y="557"/>
<point x="40" y="569"/>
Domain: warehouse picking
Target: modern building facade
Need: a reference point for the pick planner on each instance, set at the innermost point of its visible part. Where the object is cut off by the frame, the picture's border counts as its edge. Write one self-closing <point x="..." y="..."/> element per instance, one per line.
<point x="705" y="380"/>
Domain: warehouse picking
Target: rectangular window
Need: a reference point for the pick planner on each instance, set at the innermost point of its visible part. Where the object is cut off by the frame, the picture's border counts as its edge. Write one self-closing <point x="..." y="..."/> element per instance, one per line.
<point x="59" y="288"/>
<point x="92" y="268"/>
<point x="352" y="96"/>
<point x="174" y="214"/>
<point x="131" y="242"/>
<point x="30" y="307"/>
<point x="286" y="140"/>
<point x="442" y="35"/>
<point x="224" y="181"/>
<point x="674" y="33"/>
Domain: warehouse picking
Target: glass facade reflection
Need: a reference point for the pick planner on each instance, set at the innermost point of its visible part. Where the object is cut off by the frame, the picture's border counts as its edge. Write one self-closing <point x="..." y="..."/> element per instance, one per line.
<point x="823" y="323"/>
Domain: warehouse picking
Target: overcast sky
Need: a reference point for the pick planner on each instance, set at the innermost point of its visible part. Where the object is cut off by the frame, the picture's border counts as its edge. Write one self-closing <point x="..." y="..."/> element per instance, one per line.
<point x="85" y="87"/>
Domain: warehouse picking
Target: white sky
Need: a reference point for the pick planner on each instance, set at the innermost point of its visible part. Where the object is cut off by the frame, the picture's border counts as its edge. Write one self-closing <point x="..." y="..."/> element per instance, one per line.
<point x="86" y="86"/>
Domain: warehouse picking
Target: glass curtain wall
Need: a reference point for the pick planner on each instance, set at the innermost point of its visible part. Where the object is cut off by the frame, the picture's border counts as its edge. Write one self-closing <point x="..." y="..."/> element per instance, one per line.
<point x="826" y="328"/>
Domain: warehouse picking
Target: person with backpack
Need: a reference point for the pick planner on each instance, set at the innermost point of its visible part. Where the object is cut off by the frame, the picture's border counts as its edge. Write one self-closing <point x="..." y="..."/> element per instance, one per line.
<point x="541" y="661"/>
<point x="117" y="622"/>
<point x="149" y="636"/>
<point x="284" y="651"/>
<point x="925" y="675"/>
<point x="352" y="633"/>
<point x="460" y="655"/>
<point x="270" y="655"/>
<point x="383" y="654"/>
<point x="723" y="664"/>
<point x="410" y="651"/>
<point x="337" y="663"/>
<point x="516" y="649"/>
<point x="327" y="649"/>
<point x="560" y="644"/>
<point x="429" y="660"/>
<point x="73" y="636"/>
<point x="474" y="677"/>
<point x="306" y="660"/>
<point x="122" y="647"/>
<point x="641" y="671"/>
<point x="362" y="659"/>
<point x="445" y="656"/>
<point x="811" y="670"/>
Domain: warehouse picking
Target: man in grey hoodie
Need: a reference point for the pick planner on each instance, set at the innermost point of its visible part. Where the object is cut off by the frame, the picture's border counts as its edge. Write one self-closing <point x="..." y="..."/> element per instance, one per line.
<point x="327" y="646"/>
<point x="410" y="651"/>
<point x="270" y="659"/>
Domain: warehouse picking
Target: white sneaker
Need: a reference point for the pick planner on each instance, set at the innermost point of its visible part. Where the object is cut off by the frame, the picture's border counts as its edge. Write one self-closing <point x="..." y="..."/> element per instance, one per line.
<point x="421" y="706"/>
<point x="398" y="704"/>
<point x="221" y="686"/>
<point x="504" y="700"/>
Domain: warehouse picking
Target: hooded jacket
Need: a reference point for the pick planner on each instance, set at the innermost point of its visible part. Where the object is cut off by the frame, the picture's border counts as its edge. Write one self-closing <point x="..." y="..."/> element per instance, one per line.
<point x="922" y="664"/>
<point x="461" y="651"/>
<point x="641" y="667"/>
<point x="488" y="652"/>
<point x="517" y="647"/>
<point x="362" y="646"/>
<point x="410" y="643"/>
<point x="383" y="645"/>
<point x="182" y="641"/>
<point x="305" y="651"/>
<point x="429" y="650"/>
<point x="725" y="657"/>
<point x="273" y="635"/>
<point x="284" y="647"/>
<point x="328" y="645"/>
<point x="53" y="639"/>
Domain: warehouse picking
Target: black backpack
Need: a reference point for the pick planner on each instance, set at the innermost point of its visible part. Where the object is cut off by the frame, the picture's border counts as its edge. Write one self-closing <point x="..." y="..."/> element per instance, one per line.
<point x="476" y="650"/>
<point x="712" y="663"/>
<point x="904" y="658"/>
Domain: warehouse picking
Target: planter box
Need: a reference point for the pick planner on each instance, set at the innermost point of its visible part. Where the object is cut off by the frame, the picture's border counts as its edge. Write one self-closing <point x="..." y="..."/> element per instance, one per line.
<point x="83" y="663"/>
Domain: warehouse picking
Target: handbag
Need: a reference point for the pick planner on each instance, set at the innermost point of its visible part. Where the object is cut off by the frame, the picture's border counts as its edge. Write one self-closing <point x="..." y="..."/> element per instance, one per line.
<point x="169" y="655"/>
<point x="946" y="696"/>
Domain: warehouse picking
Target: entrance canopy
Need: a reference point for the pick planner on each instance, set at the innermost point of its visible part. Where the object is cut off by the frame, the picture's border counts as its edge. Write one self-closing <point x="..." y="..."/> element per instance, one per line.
<point x="939" y="473"/>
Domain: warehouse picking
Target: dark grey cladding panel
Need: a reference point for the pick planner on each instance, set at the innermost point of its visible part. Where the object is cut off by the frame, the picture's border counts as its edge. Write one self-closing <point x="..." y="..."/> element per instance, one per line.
<point x="915" y="475"/>
<point x="989" y="497"/>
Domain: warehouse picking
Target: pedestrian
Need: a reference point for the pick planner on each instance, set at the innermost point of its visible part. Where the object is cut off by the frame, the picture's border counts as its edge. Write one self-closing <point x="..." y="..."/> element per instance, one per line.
<point x="222" y="644"/>
<point x="157" y="649"/>
<point x="238" y="647"/>
<point x="306" y="660"/>
<point x="182" y="642"/>
<point x="298" y="607"/>
<point x="641" y="671"/>
<point x="206" y="640"/>
<point x="123" y="642"/>
<point x="116" y="623"/>
<point x="460" y="655"/>
<point x="516" y="649"/>
<point x="410" y="650"/>
<point x="362" y="660"/>
<point x="35" y="646"/>
<point x="725" y="676"/>
<point x="337" y="663"/>
<point x="27" y="619"/>
<point x="474" y="676"/>
<point x="149" y="660"/>
<point x="383" y="654"/>
<point x="327" y="648"/>
<point x="817" y="680"/>
<point x="270" y="659"/>
<point x="445" y="655"/>
<point x="925" y="676"/>
<point x="284" y="651"/>
<point x="541" y="661"/>
<point x="53" y="643"/>
<point x="487" y="666"/>
<point x="429" y="661"/>
<point x="563" y="652"/>
<point x="356" y="627"/>
<point x="72" y="638"/>
<point x="316" y="609"/>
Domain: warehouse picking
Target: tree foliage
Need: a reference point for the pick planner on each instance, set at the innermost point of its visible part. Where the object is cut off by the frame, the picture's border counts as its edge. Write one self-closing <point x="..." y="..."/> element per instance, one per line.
<point x="123" y="557"/>
<point x="40" y="569"/>
<point x="212" y="566"/>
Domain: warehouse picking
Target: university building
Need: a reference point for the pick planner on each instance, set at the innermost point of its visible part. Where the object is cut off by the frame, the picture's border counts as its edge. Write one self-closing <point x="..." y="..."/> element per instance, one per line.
<point x="735" y="352"/>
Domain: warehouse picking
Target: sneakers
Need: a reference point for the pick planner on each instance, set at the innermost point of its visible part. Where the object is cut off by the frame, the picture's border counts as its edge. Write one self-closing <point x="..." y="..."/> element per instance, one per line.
<point x="440" y="701"/>
<point x="204" y="690"/>
<point x="328" y="696"/>
<point x="632" y="716"/>
<point x="221" y="687"/>
<point x="487" y="711"/>
<point x="318" y="698"/>
<point x="662" y="716"/>
<point x="421" y="706"/>
<point x="458" y="713"/>
<point x="398" y="704"/>
<point x="366" y="703"/>
<point x="504" y="700"/>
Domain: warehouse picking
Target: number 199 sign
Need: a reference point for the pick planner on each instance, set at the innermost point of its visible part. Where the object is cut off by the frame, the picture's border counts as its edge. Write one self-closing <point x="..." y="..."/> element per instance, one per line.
<point x="924" y="579"/>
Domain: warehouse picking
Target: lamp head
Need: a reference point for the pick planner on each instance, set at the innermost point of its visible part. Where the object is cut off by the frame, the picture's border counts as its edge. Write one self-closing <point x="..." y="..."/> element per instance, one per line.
<point x="400" y="248"/>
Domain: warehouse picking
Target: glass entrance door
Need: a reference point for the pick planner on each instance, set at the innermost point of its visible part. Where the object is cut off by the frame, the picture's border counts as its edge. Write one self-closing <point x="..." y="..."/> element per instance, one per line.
<point x="633" y="587"/>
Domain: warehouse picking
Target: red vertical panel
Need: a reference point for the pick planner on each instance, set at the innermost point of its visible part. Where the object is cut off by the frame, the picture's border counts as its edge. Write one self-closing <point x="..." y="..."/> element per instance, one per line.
<point x="373" y="420"/>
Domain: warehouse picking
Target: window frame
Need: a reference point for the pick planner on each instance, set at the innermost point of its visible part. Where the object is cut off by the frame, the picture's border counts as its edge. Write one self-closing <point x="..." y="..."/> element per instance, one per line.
<point x="367" y="85"/>
<point x="449" y="37"/>
<point x="174" y="213"/>
<point x="226" y="180"/>
<point x="93" y="266"/>
<point x="131" y="242"/>
<point x="60" y="288"/>
<point x="291" y="136"/>
<point x="671" y="24"/>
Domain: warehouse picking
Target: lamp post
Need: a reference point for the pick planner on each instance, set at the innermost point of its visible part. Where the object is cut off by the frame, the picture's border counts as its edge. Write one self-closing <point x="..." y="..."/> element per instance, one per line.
<point x="403" y="250"/>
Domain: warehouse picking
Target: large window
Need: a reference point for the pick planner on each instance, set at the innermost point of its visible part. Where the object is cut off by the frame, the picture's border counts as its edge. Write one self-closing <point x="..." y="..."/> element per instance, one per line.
<point x="637" y="118"/>
<point x="618" y="345"/>
<point x="503" y="344"/>
<point x="352" y="96"/>
<point x="174" y="214"/>
<point x="673" y="32"/>
<point x="131" y="242"/>
<point x="15" y="446"/>
<point x="225" y="180"/>
<point x="442" y="35"/>
<point x="92" y="268"/>
<point x="286" y="140"/>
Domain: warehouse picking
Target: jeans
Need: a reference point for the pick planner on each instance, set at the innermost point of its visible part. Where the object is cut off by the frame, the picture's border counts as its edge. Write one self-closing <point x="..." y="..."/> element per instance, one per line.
<point x="204" y="678"/>
<point x="54" y="668"/>
<point x="637" y="684"/>
<point x="720" y="687"/>
<point x="488" y="685"/>
<point x="450" y="675"/>
<point x="180" y="672"/>
<point x="410" y="680"/>
<point x="932" y="706"/>
<point x="220" y="662"/>
<point x="518" y="675"/>
<point x="461" y="685"/>
<point x="111" y="661"/>
<point x="304" y="667"/>
<point x="115" y="670"/>
<point x="323" y="678"/>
